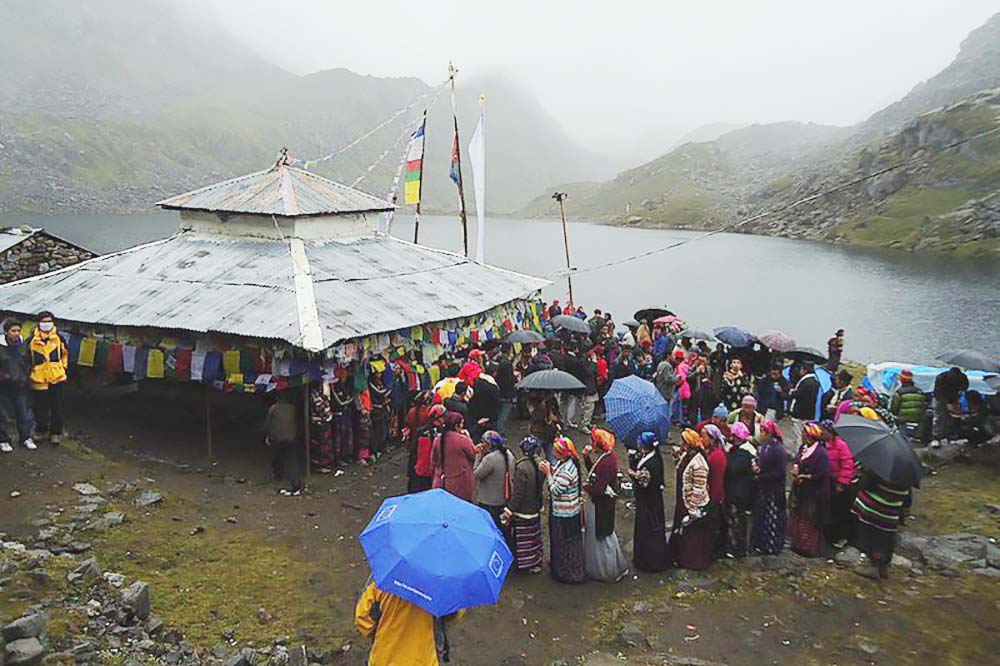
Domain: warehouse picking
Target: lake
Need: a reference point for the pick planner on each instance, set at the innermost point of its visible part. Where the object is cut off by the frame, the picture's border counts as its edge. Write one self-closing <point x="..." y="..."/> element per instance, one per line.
<point x="893" y="306"/>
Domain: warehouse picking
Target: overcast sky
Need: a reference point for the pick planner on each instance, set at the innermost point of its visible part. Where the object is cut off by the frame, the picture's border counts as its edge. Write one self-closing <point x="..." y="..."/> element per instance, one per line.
<point x="621" y="75"/>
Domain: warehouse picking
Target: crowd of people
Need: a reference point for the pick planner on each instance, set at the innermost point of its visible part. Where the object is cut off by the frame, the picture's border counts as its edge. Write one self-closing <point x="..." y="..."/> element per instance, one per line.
<point x="742" y="485"/>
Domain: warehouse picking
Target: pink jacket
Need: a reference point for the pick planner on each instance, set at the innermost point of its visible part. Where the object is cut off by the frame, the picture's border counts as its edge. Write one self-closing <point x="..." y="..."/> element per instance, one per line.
<point x="682" y="374"/>
<point x="841" y="461"/>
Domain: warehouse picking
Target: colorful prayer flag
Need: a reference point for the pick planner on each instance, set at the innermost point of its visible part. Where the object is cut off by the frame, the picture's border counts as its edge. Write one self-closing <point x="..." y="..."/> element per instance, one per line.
<point x="414" y="166"/>
<point x="455" y="175"/>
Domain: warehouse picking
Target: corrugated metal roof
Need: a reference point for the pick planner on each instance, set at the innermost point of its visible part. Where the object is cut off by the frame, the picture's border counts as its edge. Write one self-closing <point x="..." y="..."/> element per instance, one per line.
<point x="246" y="287"/>
<point x="281" y="190"/>
<point x="11" y="237"/>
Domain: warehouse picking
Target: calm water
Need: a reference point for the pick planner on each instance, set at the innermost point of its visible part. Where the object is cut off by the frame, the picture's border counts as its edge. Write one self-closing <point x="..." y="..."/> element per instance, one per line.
<point x="894" y="306"/>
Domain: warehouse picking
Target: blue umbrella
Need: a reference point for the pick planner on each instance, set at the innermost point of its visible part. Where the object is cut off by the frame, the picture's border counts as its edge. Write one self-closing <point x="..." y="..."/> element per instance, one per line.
<point x="634" y="406"/>
<point x="734" y="336"/>
<point x="436" y="551"/>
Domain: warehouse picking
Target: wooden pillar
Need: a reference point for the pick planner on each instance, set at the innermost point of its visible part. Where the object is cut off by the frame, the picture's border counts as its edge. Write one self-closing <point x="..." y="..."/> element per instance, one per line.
<point x="208" y="420"/>
<point x="305" y="429"/>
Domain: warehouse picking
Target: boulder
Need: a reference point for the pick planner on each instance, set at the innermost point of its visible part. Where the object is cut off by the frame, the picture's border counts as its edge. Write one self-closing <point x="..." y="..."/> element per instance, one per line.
<point x="110" y="519"/>
<point x="950" y="550"/>
<point x="147" y="498"/>
<point x="632" y="636"/>
<point x="135" y="599"/>
<point x="86" y="489"/>
<point x="24" y="652"/>
<point x="29" y="626"/>
<point x="88" y="570"/>
<point x="849" y="557"/>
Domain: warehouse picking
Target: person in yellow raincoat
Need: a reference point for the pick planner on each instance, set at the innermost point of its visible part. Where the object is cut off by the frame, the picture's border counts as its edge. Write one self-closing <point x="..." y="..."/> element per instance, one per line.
<point x="49" y="360"/>
<point x="401" y="633"/>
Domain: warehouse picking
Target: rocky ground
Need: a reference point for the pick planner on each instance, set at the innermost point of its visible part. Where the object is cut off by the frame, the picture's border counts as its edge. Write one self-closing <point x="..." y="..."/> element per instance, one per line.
<point x="127" y="548"/>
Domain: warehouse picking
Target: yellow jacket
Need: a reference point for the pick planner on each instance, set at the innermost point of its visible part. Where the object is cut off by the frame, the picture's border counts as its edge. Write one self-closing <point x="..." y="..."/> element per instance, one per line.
<point x="49" y="359"/>
<point x="404" y="635"/>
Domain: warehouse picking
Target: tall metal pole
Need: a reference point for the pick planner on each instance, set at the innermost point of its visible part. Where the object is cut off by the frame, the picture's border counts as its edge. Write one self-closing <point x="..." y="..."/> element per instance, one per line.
<point x="458" y="159"/>
<point x="420" y="188"/>
<point x="560" y="197"/>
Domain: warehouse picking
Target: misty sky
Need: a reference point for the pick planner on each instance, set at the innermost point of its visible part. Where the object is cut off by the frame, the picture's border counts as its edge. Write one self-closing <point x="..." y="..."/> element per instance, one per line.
<point x="629" y="76"/>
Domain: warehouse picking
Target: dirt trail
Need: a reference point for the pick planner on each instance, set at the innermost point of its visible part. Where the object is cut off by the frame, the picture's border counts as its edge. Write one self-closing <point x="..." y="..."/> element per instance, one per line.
<point x="298" y="558"/>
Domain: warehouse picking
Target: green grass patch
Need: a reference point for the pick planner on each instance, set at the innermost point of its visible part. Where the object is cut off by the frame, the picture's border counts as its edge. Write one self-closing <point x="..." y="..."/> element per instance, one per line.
<point x="955" y="499"/>
<point x="217" y="580"/>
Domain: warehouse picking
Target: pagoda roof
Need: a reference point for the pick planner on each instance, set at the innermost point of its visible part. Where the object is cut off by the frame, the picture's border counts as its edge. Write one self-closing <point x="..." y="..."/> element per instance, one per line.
<point x="281" y="190"/>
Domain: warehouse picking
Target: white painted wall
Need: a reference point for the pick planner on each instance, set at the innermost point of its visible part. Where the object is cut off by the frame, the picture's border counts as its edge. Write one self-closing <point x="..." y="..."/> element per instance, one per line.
<point x="264" y="226"/>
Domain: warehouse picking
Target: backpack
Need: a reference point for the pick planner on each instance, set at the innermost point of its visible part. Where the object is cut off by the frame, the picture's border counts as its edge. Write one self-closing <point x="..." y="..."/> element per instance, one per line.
<point x="424" y="445"/>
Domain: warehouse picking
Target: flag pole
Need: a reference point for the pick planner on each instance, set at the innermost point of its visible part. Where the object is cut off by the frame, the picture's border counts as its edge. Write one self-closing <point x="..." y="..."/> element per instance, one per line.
<point x="458" y="153"/>
<point x="560" y="197"/>
<point x="420" y="188"/>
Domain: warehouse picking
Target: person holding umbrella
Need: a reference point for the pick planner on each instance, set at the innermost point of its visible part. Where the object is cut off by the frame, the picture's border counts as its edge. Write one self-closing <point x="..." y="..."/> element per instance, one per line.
<point x="396" y="628"/>
<point x="417" y="583"/>
<point x="602" y="551"/>
<point x="891" y="469"/>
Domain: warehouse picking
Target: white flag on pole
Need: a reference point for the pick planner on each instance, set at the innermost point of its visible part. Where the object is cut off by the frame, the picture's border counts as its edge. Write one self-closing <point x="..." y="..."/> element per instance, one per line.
<point x="477" y="155"/>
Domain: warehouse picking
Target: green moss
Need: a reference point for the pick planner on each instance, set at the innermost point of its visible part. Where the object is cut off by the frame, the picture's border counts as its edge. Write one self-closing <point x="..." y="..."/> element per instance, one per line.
<point x="218" y="579"/>
<point x="955" y="499"/>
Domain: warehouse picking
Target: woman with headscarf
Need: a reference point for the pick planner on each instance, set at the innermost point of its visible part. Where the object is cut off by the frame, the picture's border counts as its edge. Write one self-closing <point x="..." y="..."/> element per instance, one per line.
<point x="565" y="481"/>
<point x="649" y="551"/>
<point x="768" y="533"/>
<point x="842" y="491"/>
<point x="740" y="455"/>
<point x="420" y="472"/>
<point x="493" y="470"/>
<point x="715" y="452"/>
<point x="809" y="498"/>
<point x="603" y="553"/>
<point x="691" y="534"/>
<point x="524" y="508"/>
<point x="735" y="384"/>
<point x="452" y="457"/>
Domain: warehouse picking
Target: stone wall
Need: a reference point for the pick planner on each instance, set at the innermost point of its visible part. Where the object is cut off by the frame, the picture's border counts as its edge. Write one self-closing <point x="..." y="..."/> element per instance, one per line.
<point x="39" y="254"/>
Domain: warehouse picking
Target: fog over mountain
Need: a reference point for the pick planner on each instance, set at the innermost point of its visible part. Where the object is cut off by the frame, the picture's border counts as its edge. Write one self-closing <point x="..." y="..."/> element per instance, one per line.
<point x="111" y="104"/>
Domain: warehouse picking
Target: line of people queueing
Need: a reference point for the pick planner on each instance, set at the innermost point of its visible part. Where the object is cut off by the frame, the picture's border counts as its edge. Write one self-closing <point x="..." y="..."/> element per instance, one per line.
<point x="730" y="495"/>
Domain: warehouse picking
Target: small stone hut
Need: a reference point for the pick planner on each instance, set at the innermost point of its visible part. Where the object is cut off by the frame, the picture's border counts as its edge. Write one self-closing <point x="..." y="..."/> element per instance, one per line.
<point x="25" y="252"/>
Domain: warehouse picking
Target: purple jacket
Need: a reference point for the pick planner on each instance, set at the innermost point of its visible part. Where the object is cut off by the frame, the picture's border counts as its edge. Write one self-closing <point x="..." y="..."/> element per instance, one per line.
<point x="773" y="459"/>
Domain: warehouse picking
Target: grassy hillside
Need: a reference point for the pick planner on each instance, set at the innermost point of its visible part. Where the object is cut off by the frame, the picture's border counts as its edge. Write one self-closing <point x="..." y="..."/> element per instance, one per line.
<point x="948" y="204"/>
<point x="108" y="105"/>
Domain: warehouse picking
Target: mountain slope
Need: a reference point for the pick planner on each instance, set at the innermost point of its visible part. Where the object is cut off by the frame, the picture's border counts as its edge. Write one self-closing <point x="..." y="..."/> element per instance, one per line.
<point x="112" y="104"/>
<point x="976" y="68"/>
<point x="697" y="184"/>
<point x="948" y="204"/>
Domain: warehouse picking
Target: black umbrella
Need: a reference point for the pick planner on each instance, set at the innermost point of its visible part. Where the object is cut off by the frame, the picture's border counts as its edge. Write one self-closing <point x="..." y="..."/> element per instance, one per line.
<point x="808" y="354"/>
<point x="571" y="323"/>
<point x="550" y="380"/>
<point x="649" y="314"/>
<point x="970" y="360"/>
<point x="525" y="336"/>
<point x="881" y="449"/>
<point x="631" y="323"/>
<point x="695" y="334"/>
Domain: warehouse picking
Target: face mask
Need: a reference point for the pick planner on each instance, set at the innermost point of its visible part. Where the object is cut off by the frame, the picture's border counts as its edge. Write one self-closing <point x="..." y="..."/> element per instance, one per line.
<point x="45" y="326"/>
